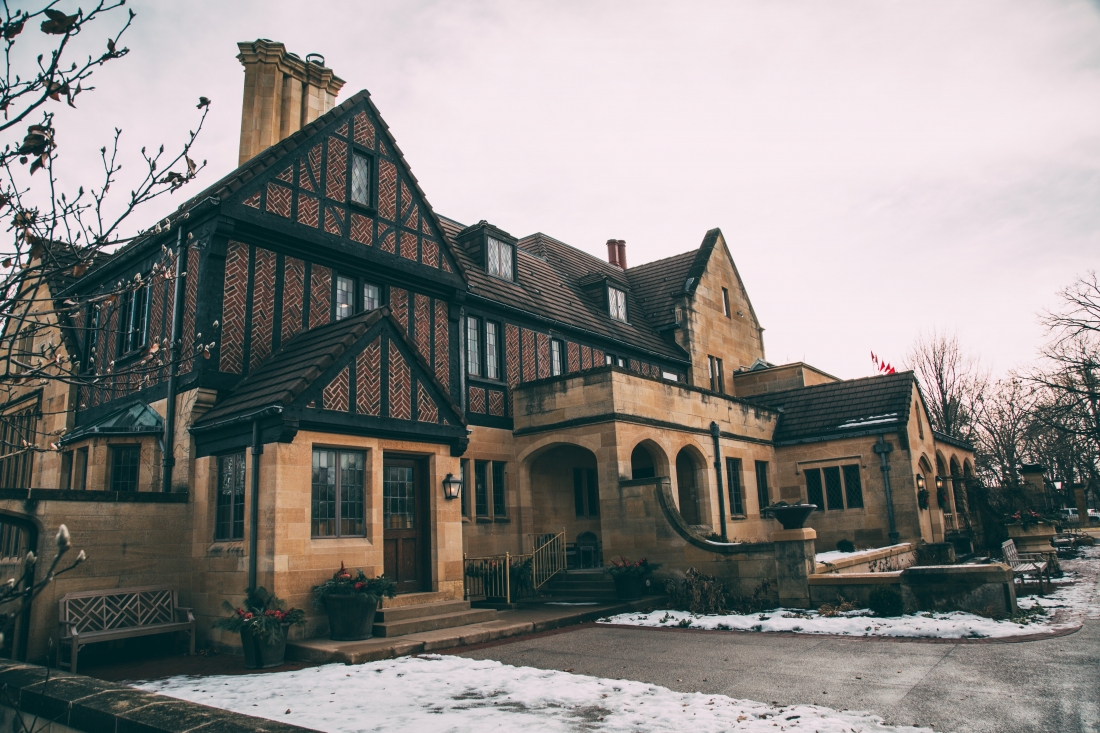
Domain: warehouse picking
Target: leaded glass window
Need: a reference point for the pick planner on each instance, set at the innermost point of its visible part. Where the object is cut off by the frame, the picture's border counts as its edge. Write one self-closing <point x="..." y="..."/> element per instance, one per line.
<point x="124" y="467"/>
<point x="834" y="495"/>
<point x="616" y="304"/>
<point x="229" y="514"/>
<point x="338" y="505"/>
<point x="372" y="297"/>
<point x="499" y="259"/>
<point x="345" y="297"/>
<point x="853" y="487"/>
<point x="814" y="493"/>
<point x="499" y="488"/>
<point x="492" y="350"/>
<point x="399" y="498"/>
<point x="360" y="179"/>
<point x="481" y="488"/>
<point x="737" y="495"/>
<point x="556" y="359"/>
<point x="473" y="350"/>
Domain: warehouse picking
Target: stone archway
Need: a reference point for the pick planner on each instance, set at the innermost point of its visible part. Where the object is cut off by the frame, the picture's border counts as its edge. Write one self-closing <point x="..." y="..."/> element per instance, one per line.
<point x="688" y="489"/>
<point x="565" y="496"/>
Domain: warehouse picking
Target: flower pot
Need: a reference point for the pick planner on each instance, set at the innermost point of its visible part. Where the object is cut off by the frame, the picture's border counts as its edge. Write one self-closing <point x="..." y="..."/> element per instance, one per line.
<point x="792" y="516"/>
<point x="260" y="654"/>
<point x="1034" y="537"/>
<point x="631" y="587"/>
<point x="350" y="617"/>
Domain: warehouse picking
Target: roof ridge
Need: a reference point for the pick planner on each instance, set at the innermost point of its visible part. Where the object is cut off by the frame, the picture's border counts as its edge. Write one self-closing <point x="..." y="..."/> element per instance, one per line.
<point x="836" y="385"/>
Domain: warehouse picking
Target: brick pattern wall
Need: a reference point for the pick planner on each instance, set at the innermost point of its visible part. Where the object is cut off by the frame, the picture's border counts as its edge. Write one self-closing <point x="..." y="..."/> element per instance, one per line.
<point x="586" y="357"/>
<point x="400" y="386"/>
<point x="363" y="131"/>
<point x="294" y="272"/>
<point x="362" y="229"/>
<point x="422" y="324"/>
<point x="190" y="308"/>
<point x="496" y="403"/>
<point x="320" y="282"/>
<point x="287" y="174"/>
<point x="307" y="210"/>
<point x="278" y="200"/>
<point x="442" y="345"/>
<point x="387" y="190"/>
<point x="336" y="170"/>
<point x="334" y="220"/>
<point x="335" y="395"/>
<point x="389" y="242"/>
<point x="408" y="246"/>
<point x="312" y="181"/>
<point x="425" y="405"/>
<point x="399" y="305"/>
<point x="574" y="354"/>
<point x="368" y="387"/>
<point x="233" y="306"/>
<point x="263" y="307"/>
<point x="477" y="400"/>
<point x="544" y="355"/>
<point x="528" y="355"/>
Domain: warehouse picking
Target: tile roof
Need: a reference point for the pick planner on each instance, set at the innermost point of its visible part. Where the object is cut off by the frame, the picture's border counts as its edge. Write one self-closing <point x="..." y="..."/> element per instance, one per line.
<point x="879" y="403"/>
<point x="549" y="275"/>
<point x="656" y="284"/>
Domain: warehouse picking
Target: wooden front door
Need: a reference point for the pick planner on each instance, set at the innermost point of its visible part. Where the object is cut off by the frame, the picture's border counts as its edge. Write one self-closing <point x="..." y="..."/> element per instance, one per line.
<point x="405" y="524"/>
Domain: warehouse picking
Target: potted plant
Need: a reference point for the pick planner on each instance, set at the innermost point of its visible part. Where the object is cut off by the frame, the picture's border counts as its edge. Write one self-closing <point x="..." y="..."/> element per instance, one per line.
<point x="351" y="602"/>
<point x="262" y="624"/>
<point x="631" y="578"/>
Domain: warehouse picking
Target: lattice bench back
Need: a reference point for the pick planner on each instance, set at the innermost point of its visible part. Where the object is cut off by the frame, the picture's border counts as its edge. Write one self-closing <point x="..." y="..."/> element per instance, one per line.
<point x="1008" y="549"/>
<point x="118" y="608"/>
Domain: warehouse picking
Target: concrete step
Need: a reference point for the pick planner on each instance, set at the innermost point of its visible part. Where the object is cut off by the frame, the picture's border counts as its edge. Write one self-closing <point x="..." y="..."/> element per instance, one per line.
<point x="570" y="583"/>
<point x="431" y="623"/>
<point x="413" y="599"/>
<point x="402" y="613"/>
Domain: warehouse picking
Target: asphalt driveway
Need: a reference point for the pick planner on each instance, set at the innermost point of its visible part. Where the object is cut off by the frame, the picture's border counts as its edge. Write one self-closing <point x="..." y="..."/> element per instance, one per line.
<point x="1048" y="685"/>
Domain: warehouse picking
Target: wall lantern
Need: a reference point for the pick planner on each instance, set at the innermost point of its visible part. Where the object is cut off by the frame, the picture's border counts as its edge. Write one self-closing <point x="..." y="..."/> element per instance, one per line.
<point x="451" y="486"/>
<point x="939" y="483"/>
<point x="920" y="482"/>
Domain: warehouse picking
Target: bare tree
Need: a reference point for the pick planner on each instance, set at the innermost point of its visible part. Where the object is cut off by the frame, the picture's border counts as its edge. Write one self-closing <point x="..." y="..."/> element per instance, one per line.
<point x="953" y="383"/>
<point x="54" y="235"/>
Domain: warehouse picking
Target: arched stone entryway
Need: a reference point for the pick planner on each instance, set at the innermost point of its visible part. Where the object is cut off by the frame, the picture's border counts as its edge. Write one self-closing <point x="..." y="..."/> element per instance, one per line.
<point x="688" y="488"/>
<point x="565" y="496"/>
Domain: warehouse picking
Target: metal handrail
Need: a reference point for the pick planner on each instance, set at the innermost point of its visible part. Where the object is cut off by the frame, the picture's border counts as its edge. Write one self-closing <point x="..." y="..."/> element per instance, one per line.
<point x="548" y="558"/>
<point x="490" y="577"/>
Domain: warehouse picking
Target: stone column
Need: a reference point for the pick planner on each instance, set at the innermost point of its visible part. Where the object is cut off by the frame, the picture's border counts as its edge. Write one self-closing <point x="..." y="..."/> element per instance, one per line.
<point x="794" y="564"/>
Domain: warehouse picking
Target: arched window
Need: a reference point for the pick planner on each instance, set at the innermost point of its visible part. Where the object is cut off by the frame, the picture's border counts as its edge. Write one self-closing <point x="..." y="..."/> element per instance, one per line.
<point x="641" y="463"/>
<point x="686" y="487"/>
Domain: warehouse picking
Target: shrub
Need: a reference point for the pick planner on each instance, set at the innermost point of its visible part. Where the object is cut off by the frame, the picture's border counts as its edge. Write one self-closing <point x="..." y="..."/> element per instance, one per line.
<point x="343" y="583"/>
<point x="623" y="568"/>
<point x="705" y="594"/>
<point x="845" y="546"/>
<point x="886" y="601"/>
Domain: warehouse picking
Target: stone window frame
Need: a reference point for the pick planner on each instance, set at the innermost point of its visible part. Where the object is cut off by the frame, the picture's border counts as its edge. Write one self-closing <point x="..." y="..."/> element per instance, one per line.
<point x="842" y="465"/>
<point x="726" y="303"/>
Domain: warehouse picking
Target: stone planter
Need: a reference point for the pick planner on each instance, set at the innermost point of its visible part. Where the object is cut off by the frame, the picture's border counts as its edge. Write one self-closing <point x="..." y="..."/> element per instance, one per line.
<point x="1033" y="538"/>
<point x="792" y="516"/>
<point x="260" y="654"/>
<point x="350" y="617"/>
<point x="631" y="587"/>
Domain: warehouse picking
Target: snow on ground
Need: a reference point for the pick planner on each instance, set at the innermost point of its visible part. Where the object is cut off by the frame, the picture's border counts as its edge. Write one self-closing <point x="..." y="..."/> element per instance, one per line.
<point x="454" y="694"/>
<point x="1075" y="596"/>
<point x="835" y="555"/>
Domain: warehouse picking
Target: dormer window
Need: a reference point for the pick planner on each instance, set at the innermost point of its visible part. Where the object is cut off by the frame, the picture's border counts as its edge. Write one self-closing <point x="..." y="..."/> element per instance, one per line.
<point x="499" y="259"/>
<point x="616" y="303"/>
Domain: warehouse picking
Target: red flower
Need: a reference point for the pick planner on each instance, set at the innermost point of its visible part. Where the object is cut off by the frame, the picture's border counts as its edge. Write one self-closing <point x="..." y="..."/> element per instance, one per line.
<point x="360" y="586"/>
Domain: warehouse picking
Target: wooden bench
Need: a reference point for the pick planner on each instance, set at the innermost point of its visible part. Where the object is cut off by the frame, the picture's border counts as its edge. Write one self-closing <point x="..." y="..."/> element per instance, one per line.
<point x="1027" y="563"/>
<point x="118" y="613"/>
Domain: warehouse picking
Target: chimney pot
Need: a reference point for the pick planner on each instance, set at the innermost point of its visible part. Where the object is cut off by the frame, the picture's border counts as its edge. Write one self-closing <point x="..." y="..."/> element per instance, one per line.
<point x="621" y="246"/>
<point x="613" y="252"/>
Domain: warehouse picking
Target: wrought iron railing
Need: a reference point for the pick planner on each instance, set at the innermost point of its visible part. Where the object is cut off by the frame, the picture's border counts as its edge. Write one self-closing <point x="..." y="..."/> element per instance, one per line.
<point x="500" y="578"/>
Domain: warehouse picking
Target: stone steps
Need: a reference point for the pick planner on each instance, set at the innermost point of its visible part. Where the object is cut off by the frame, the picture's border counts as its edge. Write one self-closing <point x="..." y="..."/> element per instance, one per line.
<point x="415" y="619"/>
<point x="583" y="585"/>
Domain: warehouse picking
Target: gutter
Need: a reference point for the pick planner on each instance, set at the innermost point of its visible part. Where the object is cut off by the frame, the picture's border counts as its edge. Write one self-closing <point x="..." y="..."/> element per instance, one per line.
<point x="247" y="417"/>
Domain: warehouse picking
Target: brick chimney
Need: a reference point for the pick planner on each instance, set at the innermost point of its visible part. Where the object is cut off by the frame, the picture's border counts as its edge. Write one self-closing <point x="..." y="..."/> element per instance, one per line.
<point x="282" y="93"/>
<point x="622" y="253"/>
<point x="613" y="252"/>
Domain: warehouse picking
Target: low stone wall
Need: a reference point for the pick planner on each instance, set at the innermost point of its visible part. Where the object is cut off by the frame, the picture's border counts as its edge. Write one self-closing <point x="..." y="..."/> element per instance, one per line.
<point x="67" y="702"/>
<point x="884" y="559"/>
<point x="854" y="587"/>
<point x="987" y="590"/>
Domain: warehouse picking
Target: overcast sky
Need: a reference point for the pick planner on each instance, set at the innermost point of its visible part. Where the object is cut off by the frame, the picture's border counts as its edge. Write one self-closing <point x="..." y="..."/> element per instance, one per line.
<point x="878" y="168"/>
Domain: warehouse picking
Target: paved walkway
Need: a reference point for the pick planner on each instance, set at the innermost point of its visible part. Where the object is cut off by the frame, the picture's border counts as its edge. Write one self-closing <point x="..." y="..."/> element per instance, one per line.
<point x="530" y="619"/>
<point x="999" y="687"/>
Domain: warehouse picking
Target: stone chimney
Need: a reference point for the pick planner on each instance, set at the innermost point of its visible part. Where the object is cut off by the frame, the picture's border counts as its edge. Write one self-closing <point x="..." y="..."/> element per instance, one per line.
<point x="282" y="93"/>
<point x="613" y="252"/>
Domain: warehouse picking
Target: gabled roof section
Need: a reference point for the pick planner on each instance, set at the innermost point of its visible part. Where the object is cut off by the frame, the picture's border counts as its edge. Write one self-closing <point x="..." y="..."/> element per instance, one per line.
<point x="657" y="284"/>
<point x="837" y="410"/>
<point x="549" y="284"/>
<point x="399" y="207"/>
<point x="135" y="419"/>
<point x="305" y="364"/>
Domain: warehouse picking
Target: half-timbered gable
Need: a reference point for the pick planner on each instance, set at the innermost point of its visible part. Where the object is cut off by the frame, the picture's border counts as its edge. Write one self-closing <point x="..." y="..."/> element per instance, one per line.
<point x="363" y="375"/>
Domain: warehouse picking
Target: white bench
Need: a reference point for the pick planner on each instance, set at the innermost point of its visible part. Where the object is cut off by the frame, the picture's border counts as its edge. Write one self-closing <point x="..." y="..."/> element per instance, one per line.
<point x="1028" y="563"/>
<point x="118" y="613"/>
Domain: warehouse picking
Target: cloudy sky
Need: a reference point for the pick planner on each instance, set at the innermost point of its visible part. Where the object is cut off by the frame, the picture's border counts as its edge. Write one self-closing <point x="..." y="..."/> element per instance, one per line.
<point x="878" y="168"/>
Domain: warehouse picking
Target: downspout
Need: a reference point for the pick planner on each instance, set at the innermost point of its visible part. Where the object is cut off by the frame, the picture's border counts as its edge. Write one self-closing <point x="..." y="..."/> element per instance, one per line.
<point x="254" y="498"/>
<point x="715" y="434"/>
<point x="168" y="461"/>
<point x="883" y="449"/>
